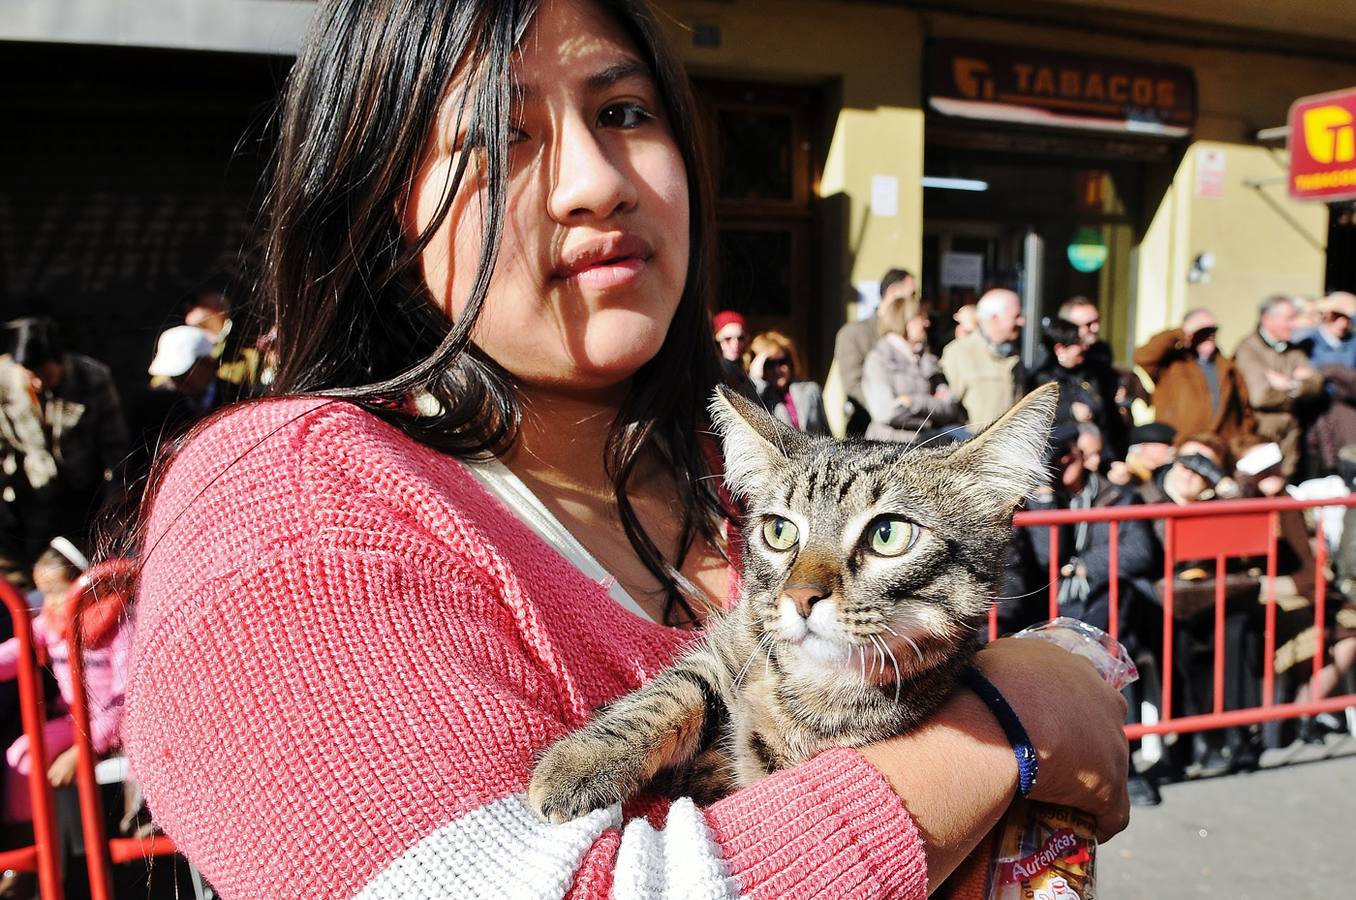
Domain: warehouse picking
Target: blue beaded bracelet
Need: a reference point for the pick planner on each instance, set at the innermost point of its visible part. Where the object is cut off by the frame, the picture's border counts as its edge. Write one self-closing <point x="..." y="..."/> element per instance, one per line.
<point x="1027" y="766"/>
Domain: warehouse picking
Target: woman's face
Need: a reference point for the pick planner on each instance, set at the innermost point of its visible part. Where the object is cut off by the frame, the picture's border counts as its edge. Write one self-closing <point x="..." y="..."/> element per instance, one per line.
<point x="1187" y="484"/>
<point x="732" y="341"/>
<point x="1091" y="447"/>
<point x="52" y="583"/>
<point x="595" y="244"/>
<point x="916" y="329"/>
<point x="1070" y="356"/>
<point x="778" y="371"/>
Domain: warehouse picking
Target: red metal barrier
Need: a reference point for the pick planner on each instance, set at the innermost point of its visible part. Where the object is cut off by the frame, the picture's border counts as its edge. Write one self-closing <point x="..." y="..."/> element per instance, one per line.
<point x="1209" y="531"/>
<point x="108" y="582"/>
<point x="43" y="856"/>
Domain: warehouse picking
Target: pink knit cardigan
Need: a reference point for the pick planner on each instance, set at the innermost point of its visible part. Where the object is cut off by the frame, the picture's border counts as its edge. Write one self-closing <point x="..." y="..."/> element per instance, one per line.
<point x="347" y="653"/>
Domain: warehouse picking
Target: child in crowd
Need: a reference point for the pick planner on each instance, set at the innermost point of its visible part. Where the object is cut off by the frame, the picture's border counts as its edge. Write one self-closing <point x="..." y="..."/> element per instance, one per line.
<point x="107" y="639"/>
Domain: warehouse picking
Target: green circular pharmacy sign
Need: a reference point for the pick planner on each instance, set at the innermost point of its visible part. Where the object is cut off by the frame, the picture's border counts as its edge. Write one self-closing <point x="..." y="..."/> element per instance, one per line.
<point x="1087" y="250"/>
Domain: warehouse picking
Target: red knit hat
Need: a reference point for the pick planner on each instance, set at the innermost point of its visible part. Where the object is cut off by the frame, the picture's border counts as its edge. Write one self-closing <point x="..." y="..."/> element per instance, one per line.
<point x="728" y="317"/>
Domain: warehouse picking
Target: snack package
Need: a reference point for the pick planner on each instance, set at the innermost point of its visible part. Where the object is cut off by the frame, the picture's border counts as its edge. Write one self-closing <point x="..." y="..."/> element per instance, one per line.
<point x="1048" y="852"/>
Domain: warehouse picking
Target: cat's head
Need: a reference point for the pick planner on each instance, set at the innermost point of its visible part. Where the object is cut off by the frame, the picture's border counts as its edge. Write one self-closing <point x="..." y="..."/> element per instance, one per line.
<point x="852" y="548"/>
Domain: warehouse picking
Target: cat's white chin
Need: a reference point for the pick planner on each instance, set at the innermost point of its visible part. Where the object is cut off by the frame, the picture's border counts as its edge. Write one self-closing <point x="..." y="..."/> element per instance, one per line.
<point x="820" y="654"/>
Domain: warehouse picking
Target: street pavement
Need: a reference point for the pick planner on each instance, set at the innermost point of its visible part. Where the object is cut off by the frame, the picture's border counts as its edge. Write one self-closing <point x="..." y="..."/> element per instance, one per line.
<point x="1286" y="831"/>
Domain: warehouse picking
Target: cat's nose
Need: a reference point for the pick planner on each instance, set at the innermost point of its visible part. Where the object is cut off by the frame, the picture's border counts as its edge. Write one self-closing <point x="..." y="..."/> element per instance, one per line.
<point x="805" y="598"/>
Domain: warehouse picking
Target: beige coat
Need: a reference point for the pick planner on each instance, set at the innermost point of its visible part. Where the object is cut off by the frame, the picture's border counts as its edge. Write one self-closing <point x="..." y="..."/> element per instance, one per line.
<point x="985" y="383"/>
<point x="1273" y="408"/>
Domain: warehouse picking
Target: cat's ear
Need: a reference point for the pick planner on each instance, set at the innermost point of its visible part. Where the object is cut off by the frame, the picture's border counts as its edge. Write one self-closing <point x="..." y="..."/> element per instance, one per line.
<point x="756" y="444"/>
<point x="1007" y="460"/>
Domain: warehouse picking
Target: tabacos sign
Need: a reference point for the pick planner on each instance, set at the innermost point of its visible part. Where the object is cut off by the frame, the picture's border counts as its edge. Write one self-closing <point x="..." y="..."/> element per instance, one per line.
<point x="1032" y="86"/>
<point x="1323" y="147"/>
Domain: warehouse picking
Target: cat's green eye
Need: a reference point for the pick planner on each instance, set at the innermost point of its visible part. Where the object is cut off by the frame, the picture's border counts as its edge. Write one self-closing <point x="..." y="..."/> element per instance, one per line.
<point x="780" y="534"/>
<point x="891" y="537"/>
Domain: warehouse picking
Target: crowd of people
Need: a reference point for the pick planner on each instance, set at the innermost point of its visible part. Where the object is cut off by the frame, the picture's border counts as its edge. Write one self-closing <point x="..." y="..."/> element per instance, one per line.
<point x="74" y="459"/>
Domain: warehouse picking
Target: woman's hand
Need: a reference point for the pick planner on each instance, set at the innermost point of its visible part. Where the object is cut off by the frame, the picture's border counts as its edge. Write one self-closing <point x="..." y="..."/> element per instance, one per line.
<point x="956" y="773"/>
<point x="756" y="367"/>
<point x="1076" y="723"/>
<point x="61" y="772"/>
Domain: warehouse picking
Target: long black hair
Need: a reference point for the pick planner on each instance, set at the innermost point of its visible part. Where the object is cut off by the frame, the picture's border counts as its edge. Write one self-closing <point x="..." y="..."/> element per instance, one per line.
<point x="342" y="284"/>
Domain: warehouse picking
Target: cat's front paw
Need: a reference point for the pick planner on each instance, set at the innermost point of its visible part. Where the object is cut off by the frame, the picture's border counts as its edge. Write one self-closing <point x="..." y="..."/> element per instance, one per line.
<point x="578" y="775"/>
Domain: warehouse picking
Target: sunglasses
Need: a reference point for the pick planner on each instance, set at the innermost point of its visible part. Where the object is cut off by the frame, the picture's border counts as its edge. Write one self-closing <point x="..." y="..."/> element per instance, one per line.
<point x="778" y="361"/>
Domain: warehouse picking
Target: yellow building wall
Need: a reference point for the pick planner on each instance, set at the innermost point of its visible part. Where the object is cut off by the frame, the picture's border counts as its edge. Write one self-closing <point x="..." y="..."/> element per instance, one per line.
<point x="869" y="58"/>
<point x="1263" y="242"/>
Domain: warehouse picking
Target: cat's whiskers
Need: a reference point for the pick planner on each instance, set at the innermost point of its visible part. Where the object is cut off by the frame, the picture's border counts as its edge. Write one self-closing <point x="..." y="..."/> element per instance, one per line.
<point x="952" y="430"/>
<point x="919" y="430"/>
<point x="1040" y="590"/>
<point x="893" y="661"/>
<point x="763" y="642"/>
<point x="905" y="638"/>
<point x="914" y="644"/>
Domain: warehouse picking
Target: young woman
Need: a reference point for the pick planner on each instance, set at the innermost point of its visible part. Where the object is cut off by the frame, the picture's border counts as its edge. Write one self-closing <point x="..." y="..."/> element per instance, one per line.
<point x="774" y="373"/>
<point x="364" y="610"/>
<point x="905" y="390"/>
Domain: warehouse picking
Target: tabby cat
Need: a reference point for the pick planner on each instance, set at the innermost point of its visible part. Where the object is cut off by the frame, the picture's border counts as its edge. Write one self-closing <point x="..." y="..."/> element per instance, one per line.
<point x="868" y="569"/>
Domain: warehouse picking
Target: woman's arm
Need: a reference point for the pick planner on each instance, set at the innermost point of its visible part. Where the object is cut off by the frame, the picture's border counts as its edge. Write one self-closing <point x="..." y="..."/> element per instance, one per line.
<point x="9" y="659"/>
<point x="879" y="390"/>
<point x="957" y="774"/>
<point x="372" y="735"/>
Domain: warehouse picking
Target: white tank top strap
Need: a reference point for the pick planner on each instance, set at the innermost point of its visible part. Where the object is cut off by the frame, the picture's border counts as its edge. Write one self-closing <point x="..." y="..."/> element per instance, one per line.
<point x="499" y="480"/>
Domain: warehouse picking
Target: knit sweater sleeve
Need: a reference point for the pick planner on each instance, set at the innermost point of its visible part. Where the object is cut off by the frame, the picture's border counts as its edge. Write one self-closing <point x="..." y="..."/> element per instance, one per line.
<point x="350" y="707"/>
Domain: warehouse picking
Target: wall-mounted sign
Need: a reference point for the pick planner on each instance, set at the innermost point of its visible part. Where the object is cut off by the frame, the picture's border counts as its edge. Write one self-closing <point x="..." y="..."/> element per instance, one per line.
<point x="1028" y="85"/>
<point x="1090" y="193"/>
<point x="1087" y="250"/>
<point x="1209" y="172"/>
<point x="963" y="270"/>
<point x="1323" y="147"/>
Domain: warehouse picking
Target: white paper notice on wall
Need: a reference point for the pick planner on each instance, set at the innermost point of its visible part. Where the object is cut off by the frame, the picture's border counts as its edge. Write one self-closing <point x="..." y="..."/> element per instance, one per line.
<point x="868" y="298"/>
<point x="884" y="195"/>
<point x="1209" y="172"/>
<point x="963" y="270"/>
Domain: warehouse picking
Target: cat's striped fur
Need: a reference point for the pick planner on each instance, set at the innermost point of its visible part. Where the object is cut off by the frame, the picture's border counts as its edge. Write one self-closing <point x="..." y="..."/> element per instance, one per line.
<point x="844" y="636"/>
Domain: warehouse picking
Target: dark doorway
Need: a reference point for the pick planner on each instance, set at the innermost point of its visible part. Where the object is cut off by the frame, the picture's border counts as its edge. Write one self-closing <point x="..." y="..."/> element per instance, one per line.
<point x="764" y="166"/>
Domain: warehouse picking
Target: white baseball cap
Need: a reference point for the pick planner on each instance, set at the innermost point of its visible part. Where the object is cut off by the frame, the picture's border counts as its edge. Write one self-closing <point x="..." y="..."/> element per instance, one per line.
<point x="178" y="349"/>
